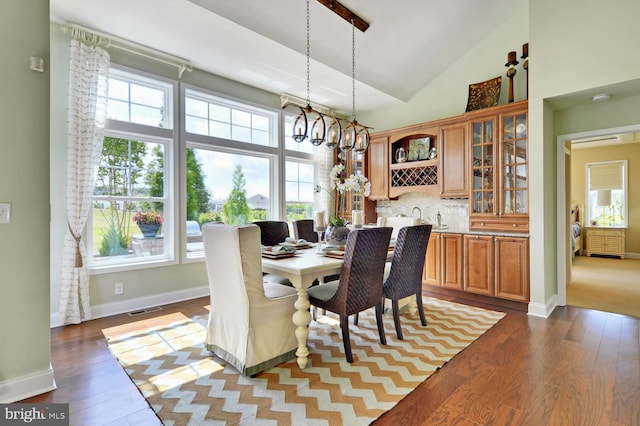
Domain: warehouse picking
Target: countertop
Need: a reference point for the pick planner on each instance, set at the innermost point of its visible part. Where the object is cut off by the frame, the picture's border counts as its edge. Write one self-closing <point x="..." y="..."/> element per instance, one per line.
<point x="465" y="230"/>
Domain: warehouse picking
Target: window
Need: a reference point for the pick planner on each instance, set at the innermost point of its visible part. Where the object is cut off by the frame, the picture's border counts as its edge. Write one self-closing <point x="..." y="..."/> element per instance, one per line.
<point x="299" y="189"/>
<point x="131" y="219"/>
<point x="607" y="193"/>
<point x="232" y="162"/>
<point x="222" y="118"/>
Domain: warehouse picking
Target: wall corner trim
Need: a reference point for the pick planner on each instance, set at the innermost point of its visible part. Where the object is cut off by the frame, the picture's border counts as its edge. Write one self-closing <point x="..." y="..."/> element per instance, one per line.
<point x="27" y="386"/>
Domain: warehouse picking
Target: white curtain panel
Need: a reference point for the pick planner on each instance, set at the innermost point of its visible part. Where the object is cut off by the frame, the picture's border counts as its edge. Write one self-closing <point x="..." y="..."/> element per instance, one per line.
<point x="88" y="89"/>
<point x="324" y="160"/>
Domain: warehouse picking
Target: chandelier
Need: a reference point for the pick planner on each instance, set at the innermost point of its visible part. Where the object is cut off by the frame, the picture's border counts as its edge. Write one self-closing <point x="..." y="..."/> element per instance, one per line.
<point x="325" y="127"/>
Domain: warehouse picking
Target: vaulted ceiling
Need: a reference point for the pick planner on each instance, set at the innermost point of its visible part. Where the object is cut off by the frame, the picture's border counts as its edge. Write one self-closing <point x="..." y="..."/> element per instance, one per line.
<point x="263" y="43"/>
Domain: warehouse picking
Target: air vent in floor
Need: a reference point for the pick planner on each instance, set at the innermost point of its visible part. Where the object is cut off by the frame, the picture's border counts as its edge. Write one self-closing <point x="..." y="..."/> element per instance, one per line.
<point x="144" y="311"/>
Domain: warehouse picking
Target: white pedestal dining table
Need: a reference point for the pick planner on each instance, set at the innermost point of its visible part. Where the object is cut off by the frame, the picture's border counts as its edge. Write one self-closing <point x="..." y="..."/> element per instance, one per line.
<point x="301" y="270"/>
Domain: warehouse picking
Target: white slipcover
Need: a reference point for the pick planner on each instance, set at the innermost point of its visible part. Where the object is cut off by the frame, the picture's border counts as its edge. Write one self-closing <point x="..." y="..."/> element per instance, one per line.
<point x="250" y="324"/>
<point x="397" y="222"/>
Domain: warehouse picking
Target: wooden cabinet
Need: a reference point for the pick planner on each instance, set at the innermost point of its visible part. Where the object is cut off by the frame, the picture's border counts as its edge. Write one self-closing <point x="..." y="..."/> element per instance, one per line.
<point x="355" y="163"/>
<point x="431" y="272"/>
<point x="494" y="266"/>
<point x="499" y="170"/>
<point x="415" y="174"/>
<point x="454" y="161"/>
<point x="479" y="264"/>
<point x="512" y="268"/>
<point x="451" y="252"/>
<point x="378" y="162"/>
<point x="606" y="241"/>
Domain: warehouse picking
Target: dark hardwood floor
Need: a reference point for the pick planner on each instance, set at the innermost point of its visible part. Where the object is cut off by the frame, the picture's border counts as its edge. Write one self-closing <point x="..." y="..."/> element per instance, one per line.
<point x="578" y="367"/>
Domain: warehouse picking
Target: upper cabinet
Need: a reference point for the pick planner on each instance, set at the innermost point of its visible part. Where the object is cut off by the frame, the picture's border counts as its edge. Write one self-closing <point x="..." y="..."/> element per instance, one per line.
<point x="378" y="160"/>
<point x="499" y="173"/>
<point x="414" y="164"/>
<point x="454" y="161"/>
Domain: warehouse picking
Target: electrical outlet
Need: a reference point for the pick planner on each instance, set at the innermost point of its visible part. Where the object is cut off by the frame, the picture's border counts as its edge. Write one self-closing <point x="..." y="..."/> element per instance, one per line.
<point x="119" y="288"/>
<point x="5" y="213"/>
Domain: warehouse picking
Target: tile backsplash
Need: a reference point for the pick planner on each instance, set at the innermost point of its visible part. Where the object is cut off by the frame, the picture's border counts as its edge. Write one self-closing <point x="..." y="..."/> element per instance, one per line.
<point x="455" y="213"/>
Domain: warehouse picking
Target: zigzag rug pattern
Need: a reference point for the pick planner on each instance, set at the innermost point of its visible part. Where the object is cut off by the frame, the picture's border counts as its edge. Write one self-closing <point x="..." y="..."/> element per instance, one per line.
<point x="185" y="385"/>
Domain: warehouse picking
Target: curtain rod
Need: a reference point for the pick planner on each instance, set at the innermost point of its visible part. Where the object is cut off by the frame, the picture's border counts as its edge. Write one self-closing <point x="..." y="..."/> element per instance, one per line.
<point x="107" y="40"/>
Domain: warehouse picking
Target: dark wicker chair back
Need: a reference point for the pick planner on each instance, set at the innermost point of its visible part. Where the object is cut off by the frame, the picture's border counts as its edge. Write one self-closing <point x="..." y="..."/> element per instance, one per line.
<point x="303" y="228"/>
<point x="360" y="284"/>
<point x="272" y="232"/>
<point x="405" y="276"/>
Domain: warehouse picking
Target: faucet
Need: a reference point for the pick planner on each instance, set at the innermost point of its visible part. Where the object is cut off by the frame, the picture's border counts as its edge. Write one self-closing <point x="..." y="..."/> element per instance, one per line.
<point x="419" y="211"/>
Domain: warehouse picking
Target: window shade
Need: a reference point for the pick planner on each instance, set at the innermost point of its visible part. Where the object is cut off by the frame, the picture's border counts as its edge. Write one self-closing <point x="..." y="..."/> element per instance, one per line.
<point x="606" y="176"/>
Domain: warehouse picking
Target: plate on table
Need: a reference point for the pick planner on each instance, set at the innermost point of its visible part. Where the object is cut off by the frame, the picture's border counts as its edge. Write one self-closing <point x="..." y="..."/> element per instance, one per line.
<point x="278" y="252"/>
<point x="338" y="254"/>
<point x="304" y="245"/>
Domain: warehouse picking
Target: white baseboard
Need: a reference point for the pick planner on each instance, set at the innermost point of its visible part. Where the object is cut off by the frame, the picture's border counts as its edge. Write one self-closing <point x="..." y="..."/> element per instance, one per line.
<point x="543" y="310"/>
<point x="27" y="386"/>
<point x="129" y="305"/>
<point x="632" y="255"/>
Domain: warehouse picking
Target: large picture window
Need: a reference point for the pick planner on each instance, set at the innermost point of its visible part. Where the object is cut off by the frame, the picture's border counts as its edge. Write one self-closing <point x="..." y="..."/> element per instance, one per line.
<point x="131" y="220"/>
<point x="607" y="193"/>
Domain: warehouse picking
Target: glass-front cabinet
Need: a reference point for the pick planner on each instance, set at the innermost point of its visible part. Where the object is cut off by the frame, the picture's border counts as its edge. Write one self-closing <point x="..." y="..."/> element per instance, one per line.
<point x="500" y="187"/>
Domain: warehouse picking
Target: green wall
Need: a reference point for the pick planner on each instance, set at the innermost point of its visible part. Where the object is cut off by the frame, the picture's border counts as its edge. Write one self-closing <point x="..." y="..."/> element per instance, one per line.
<point x="24" y="182"/>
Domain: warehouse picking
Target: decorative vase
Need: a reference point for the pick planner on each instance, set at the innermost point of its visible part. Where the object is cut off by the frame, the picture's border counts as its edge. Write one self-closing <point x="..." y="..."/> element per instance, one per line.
<point x="149" y="230"/>
<point x="336" y="235"/>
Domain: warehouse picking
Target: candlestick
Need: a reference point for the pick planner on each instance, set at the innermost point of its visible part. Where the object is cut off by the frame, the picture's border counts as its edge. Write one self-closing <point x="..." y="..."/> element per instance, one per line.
<point x="511" y="72"/>
<point x="525" y="65"/>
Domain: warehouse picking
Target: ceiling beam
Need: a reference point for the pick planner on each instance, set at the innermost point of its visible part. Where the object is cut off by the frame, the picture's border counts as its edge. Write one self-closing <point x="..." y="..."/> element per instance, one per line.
<point x="337" y="8"/>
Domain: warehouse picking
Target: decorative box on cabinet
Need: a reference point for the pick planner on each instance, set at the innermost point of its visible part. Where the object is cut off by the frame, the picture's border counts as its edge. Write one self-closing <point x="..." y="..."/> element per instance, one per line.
<point x="605" y="241"/>
<point x="512" y="268"/>
<point x="454" y="161"/>
<point x="479" y="265"/>
<point x="499" y="172"/>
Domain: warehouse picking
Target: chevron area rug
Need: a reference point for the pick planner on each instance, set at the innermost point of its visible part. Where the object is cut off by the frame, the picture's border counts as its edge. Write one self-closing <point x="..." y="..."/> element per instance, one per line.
<point x="185" y="385"/>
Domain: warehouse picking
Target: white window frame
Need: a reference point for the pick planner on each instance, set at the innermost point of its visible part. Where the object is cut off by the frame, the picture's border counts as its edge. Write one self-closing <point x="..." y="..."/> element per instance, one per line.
<point x="625" y="194"/>
<point x="166" y="135"/>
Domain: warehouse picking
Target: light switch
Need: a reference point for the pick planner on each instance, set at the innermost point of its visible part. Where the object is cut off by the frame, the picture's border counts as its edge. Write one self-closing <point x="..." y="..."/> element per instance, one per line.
<point x="5" y="213"/>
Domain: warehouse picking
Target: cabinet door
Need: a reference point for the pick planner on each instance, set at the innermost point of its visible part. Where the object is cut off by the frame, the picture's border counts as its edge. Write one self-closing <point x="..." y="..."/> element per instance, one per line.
<point x="454" y="161"/>
<point x="479" y="264"/>
<point x="514" y="165"/>
<point x="378" y="162"/>
<point x="483" y="156"/>
<point x="431" y="273"/>
<point x="512" y="268"/>
<point x="451" y="246"/>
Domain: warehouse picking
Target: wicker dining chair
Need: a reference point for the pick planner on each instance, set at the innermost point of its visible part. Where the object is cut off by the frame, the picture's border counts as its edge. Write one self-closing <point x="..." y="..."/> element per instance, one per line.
<point x="360" y="283"/>
<point x="303" y="228"/>
<point x="405" y="274"/>
<point x="272" y="232"/>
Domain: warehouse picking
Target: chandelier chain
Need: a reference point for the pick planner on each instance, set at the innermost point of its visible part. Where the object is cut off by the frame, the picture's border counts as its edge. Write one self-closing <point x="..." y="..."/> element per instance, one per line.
<point x="353" y="69"/>
<point x="308" y="61"/>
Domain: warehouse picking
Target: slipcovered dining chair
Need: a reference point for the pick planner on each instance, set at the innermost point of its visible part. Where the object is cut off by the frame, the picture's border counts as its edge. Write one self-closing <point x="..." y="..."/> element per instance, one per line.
<point x="272" y="233"/>
<point x="250" y="323"/>
<point x="405" y="275"/>
<point x="360" y="283"/>
<point x="397" y="222"/>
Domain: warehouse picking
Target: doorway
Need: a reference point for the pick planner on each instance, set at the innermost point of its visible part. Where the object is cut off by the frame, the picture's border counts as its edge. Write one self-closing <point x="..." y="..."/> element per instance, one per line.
<point x="564" y="198"/>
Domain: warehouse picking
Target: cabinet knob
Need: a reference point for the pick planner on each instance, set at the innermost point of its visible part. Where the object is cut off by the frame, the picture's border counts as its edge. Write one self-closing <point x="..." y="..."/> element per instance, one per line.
<point x="477" y="237"/>
<point x="481" y="223"/>
<point x="514" y="225"/>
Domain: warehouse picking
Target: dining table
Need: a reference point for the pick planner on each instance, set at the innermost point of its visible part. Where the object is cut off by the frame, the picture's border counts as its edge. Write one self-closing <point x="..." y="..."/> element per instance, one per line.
<point x="302" y="269"/>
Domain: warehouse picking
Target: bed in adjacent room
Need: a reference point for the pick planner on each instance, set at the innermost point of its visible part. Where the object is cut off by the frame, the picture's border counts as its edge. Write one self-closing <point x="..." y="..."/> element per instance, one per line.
<point x="576" y="229"/>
